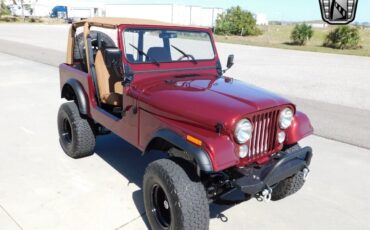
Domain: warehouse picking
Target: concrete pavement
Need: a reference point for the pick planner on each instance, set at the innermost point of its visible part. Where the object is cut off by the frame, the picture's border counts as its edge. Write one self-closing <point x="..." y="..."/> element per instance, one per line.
<point x="331" y="78"/>
<point x="42" y="188"/>
<point x="331" y="89"/>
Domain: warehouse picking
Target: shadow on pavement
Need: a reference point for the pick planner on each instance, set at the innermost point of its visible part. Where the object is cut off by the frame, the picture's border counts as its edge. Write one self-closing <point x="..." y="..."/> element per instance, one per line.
<point x="130" y="163"/>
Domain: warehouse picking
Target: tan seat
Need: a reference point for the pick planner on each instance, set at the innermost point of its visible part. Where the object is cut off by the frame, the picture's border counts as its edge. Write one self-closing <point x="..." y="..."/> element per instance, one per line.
<point x="110" y="87"/>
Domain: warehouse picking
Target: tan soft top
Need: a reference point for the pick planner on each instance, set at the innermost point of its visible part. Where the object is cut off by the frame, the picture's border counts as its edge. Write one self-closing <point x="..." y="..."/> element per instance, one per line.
<point x="111" y="23"/>
<point x="115" y="22"/>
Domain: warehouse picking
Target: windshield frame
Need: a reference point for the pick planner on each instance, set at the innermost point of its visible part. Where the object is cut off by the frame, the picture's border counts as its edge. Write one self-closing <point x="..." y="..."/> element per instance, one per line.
<point x="159" y="28"/>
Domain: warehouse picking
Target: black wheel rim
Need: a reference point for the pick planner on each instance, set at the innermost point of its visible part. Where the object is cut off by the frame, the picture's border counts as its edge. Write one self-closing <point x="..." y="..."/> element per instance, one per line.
<point x="67" y="131"/>
<point x="161" y="207"/>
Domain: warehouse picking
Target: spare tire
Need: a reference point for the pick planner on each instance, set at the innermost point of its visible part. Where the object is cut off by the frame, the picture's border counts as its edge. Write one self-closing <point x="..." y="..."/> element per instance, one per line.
<point x="79" y="49"/>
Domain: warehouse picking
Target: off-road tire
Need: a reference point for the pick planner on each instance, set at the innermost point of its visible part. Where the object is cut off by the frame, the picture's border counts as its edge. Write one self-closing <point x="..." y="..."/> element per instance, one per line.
<point x="81" y="140"/>
<point x="290" y="185"/>
<point x="187" y="198"/>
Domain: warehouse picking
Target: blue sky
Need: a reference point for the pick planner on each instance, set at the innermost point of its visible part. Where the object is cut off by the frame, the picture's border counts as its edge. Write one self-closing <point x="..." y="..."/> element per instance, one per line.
<point x="290" y="10"/>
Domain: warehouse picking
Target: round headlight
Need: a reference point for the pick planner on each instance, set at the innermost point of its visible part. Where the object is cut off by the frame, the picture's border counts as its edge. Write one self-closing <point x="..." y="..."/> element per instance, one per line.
<point x="243" y="131"/>
<point x="286" y="118"/>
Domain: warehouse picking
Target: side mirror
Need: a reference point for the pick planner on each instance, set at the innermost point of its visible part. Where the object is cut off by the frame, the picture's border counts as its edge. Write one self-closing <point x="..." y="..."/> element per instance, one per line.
<point x="230" y="61"/>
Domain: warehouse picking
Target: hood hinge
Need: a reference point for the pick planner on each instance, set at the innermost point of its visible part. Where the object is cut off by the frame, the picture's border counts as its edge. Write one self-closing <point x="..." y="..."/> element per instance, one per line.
<point x="219" y="127"/>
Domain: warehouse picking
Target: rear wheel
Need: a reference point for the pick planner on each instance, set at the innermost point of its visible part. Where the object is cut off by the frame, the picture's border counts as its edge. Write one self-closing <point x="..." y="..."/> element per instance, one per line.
<point x="75" y="134"/>
<point x="173" y="199"/>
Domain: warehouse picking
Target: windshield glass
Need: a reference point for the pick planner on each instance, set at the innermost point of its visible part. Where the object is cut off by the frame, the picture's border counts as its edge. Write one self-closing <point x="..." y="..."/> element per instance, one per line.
<point x="156" y="46"/>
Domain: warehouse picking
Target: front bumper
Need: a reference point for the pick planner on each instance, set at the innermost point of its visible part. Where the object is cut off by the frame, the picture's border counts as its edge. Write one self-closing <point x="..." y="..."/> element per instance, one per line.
<point x="253" y="179"/>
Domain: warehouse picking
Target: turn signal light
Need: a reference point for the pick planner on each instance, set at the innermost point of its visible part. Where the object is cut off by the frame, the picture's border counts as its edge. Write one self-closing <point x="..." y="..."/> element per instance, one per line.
<point x="193" y="140"/>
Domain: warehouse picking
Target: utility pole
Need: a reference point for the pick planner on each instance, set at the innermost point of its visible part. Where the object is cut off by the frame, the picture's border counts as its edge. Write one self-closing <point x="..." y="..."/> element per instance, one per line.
<point x="191" y="14"/>
<point x="1" y="7"/>
<point x="24" y="18"/>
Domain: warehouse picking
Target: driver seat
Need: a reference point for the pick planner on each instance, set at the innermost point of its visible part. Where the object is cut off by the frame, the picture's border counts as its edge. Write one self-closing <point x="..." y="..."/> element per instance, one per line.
<point x="161" y="54"/>
<point x="109" y="84"/>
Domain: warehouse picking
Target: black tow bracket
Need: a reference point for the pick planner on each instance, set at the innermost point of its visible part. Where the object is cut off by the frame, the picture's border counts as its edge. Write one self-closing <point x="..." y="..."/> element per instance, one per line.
<point x="254" y="179"/>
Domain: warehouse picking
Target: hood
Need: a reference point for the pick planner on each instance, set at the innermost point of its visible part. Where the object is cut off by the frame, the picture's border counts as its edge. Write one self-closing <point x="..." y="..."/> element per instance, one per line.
<point x="206" y="101"/>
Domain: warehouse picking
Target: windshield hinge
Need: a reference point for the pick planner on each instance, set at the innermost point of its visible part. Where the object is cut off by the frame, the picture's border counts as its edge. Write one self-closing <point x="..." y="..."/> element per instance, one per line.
<point x="220" y="73"/>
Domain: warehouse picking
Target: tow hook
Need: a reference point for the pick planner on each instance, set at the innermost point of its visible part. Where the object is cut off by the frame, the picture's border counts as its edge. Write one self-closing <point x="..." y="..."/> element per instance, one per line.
<point x="265" y="195"/>
<point x="305" y="172"/>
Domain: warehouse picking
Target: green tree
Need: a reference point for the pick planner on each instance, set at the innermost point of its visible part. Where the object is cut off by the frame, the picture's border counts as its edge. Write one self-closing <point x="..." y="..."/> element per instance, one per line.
<point x="236" y="21"/>
<point x="301" y="34"/>
<point x="343" y="37"/>
<point x="4" y="10"/>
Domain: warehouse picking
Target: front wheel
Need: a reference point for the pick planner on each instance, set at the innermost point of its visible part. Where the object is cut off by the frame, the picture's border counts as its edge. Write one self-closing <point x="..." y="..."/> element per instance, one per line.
<point x="172" y="199"/>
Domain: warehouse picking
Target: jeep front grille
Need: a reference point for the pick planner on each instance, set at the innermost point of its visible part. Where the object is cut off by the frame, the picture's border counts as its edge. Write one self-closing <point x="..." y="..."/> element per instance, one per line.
<point x="264" y="133"/>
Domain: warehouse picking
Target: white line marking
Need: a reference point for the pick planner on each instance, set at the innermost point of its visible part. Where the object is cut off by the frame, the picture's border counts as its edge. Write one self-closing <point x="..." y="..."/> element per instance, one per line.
<point x="27" y="130"/>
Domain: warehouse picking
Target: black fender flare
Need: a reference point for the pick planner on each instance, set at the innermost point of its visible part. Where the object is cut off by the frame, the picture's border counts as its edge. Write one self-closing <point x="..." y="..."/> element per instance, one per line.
<point x="201" y="157"/>
<point x="78" y="92"/>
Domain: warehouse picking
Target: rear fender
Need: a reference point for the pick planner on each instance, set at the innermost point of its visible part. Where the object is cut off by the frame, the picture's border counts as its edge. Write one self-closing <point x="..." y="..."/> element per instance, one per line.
<point x="301" y="127"/>
<point x="75" y="87"/>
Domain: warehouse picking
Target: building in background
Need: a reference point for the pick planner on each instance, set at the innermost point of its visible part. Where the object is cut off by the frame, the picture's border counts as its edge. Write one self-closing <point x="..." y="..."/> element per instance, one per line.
<point x="44" y="8"/>
<point x="178" y="14"/>
<point x="74" y="9"/>
<point x="19" y="8"/>
<point x="261" y="19"/>
<point x="317" y="24"/>
<point x="172" y="13"/>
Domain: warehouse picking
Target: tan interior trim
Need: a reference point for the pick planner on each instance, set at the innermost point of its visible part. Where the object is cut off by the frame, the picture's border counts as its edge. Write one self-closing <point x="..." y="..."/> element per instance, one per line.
<point x="86" y="33"/>
<point x="102" y="74"/>
<point x="70" y="45"/>
<point x="110" y="87"/>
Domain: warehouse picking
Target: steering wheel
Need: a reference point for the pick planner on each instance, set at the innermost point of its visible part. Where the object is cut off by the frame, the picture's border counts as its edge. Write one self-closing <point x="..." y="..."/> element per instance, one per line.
<point x="188" y="56"/>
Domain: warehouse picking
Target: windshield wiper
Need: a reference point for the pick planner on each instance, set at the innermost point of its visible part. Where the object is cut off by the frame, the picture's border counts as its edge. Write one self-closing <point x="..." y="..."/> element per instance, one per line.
<point x="185" y="54"/>
<point x="152" y="60"/>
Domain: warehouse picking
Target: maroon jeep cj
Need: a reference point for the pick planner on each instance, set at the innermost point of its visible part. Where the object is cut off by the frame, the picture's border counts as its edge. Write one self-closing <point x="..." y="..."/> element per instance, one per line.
<point x="161" y="87"/>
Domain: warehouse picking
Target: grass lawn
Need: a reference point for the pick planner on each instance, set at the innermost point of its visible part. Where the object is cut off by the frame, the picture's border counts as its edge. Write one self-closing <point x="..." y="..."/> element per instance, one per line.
<point x="279" y="37"/>
<point x="11" y="19"/>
